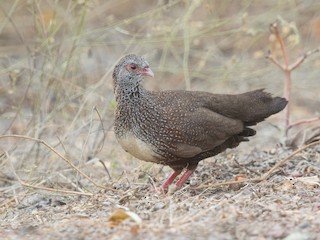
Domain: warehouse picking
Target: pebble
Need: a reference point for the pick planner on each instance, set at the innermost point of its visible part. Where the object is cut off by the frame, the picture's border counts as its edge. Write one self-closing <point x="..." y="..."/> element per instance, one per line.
<point x="297" y="236"/>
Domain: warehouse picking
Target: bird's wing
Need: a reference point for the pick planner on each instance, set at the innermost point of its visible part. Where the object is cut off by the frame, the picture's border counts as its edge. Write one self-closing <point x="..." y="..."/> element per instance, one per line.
<point x="250" y="107"/>
<point x="200" y="131"/>
<point x="197" y="122"/>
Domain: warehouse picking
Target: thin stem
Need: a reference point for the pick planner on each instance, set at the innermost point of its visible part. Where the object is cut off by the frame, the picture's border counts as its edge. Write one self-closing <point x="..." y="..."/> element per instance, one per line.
<point x="274" y="28"/>
<point x="186" y="38"/>
<point x="287" y="69"/>
<point x="76" y="39"/>
<point x="54" y="190"/>
<point x="57" y="153"/>
<point x="302" y="58"/>
<point x="274" y="60"/>
<point x="303" y="121"/>
<point x="287" y="95"/>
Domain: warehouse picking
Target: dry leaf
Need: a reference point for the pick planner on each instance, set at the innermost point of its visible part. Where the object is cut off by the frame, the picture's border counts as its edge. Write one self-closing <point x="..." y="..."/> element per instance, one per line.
<point x="237" y="178"/>
<point x="310" y="182"/>
<point x="117" y="217"/>
<point x="120" y="215"/>
<point x="134" y="217"/>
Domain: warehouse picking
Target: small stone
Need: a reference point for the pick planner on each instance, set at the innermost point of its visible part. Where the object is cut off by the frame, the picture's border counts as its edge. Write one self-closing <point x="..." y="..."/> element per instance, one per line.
<point x="297" y="236"/>
<point x="304" y="224"/>
<point x="296" y="174"/>
<point x="273" y="151"/>
<point x="157" y="206"/>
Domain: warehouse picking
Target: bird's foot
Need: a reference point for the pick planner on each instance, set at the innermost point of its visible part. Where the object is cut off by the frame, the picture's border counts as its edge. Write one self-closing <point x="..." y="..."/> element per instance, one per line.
<point x="184" y="177"/>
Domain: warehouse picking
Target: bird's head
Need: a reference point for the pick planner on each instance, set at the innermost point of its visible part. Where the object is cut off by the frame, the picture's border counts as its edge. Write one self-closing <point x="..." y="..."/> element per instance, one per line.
<point x="131" y="68"/>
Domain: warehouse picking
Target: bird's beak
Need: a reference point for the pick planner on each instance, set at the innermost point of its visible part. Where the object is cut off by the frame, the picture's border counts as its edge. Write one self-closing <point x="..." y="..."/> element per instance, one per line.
<point x="147" y="72"/>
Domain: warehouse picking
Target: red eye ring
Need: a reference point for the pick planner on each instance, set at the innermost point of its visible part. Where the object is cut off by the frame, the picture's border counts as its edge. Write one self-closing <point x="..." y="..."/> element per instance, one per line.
<point x="133" y="66"/>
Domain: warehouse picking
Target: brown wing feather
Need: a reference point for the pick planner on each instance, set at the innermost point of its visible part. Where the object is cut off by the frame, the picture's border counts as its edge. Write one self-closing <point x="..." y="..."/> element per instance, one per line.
<point x="205" y="130"/>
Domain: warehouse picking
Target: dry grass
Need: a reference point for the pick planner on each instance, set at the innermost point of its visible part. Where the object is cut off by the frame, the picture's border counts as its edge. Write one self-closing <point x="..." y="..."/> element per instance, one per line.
<point x="55" y="88"/>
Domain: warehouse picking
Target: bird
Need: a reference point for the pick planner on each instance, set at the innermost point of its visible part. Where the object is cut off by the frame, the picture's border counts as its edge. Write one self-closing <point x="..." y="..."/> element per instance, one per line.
<point x="179" y="128"/>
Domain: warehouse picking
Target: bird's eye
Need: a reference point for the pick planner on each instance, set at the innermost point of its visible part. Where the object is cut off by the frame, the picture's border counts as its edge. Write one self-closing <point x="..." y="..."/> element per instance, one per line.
<point x="133" y="67"/>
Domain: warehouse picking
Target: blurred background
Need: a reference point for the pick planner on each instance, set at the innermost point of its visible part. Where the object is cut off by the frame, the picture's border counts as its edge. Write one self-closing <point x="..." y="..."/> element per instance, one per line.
<point x="57" y="58"/>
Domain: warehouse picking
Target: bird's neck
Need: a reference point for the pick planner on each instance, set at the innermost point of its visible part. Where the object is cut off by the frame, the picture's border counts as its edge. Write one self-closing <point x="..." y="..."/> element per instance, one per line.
<point x="129" y="91"/>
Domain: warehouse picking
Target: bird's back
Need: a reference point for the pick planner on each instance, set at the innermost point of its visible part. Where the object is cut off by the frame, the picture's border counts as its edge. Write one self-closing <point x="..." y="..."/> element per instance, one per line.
<point x="185" y="126"/>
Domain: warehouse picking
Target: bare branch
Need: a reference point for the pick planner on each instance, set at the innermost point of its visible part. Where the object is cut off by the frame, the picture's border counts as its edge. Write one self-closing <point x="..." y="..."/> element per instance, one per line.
<point x="303" y="121"/>
<point x="274" y="28"/>
<point x="283" y="161"/>
<point x="302" y="58"/>
<point x="54" y="190"/>
<point x="275" y="61"/>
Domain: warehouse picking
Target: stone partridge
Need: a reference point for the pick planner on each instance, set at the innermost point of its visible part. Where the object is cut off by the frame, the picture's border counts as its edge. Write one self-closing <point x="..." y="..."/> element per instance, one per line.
<point x="181" y="128"/>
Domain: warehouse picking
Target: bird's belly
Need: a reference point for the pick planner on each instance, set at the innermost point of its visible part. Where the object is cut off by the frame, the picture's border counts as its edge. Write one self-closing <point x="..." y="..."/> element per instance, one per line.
<point x="138" y="148"/>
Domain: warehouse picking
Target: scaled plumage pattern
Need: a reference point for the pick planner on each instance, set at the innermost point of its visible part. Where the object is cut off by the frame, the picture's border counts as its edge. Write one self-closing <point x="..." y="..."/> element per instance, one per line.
<point x="181" y="128"/>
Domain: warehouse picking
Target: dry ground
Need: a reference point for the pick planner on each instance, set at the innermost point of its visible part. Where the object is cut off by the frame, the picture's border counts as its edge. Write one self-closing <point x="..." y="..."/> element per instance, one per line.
<point x="56" y="59"/>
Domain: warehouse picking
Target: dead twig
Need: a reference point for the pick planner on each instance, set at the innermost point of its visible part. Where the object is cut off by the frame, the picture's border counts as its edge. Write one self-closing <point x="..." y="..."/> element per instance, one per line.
<point x="268" y="174"/>
<point x="56" y="190"/>
<point x="57" y="153"/>
<point x="287" y="69"/>
<point x="274" y="29"/>
<point x="101" y="142"/>
<point x="53" y="190"/>
<point x="105" y="168"/>
<point x="264" y="176"/>
<point x="274" y="60"/>
<point x="50" y="189"/>
<point x="303" y="121"/>
<point x="302" y="58"/>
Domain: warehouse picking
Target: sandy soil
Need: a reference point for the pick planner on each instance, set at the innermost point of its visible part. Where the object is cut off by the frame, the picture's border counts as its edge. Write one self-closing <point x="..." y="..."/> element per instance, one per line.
<point x="285" y="206"/>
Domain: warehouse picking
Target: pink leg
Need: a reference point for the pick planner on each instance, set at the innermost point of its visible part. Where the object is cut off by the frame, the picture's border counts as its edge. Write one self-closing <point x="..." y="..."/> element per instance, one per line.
<point x="170" y="179"/>
<point x="184" y="177"/>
